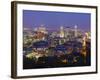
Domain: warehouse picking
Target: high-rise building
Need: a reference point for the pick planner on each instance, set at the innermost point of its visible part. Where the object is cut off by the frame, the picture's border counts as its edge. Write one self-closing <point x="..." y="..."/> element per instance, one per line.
<point x="75" y="29"/>
<point x="61" y="32"/>
<point x="42" y="29"/>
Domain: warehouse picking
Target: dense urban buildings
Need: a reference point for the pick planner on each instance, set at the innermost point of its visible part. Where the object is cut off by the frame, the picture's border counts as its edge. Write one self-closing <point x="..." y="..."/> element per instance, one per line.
<point x="64" y="47"/>
<point x="54" y="39"/>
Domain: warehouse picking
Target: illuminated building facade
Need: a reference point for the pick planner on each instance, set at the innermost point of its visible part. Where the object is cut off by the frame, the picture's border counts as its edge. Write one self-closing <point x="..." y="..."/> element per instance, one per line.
<point x="62" y="32"/>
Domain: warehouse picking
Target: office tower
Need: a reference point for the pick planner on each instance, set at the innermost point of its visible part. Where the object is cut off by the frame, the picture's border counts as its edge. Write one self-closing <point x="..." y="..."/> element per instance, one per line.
<point x="61" y="31"/>
<point x="75" y="30"/>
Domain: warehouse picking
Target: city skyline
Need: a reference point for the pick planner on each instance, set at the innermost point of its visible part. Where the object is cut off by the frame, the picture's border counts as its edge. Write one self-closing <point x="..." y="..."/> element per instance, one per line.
<point x="56" y="39"/>
<point x="53" y="20"/>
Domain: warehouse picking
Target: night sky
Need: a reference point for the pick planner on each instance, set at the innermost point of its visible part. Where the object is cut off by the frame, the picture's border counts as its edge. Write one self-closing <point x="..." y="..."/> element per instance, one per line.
<point x="53" y="20"/>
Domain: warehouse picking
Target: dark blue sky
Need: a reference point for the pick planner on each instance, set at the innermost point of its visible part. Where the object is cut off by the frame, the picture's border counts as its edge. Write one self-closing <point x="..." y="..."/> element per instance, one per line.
<point x="53" y="20"/>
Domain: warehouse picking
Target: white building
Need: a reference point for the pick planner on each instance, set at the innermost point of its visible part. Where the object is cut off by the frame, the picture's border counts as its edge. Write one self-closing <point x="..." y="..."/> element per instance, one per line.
<point x="62" y="32"/>
<point x="75" y="29"/>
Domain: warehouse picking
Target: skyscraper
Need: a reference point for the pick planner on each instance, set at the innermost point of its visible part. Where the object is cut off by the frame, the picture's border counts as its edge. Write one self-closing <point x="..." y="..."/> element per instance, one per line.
<point x="61" y="31"/>
<point x="75" y="29"/>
